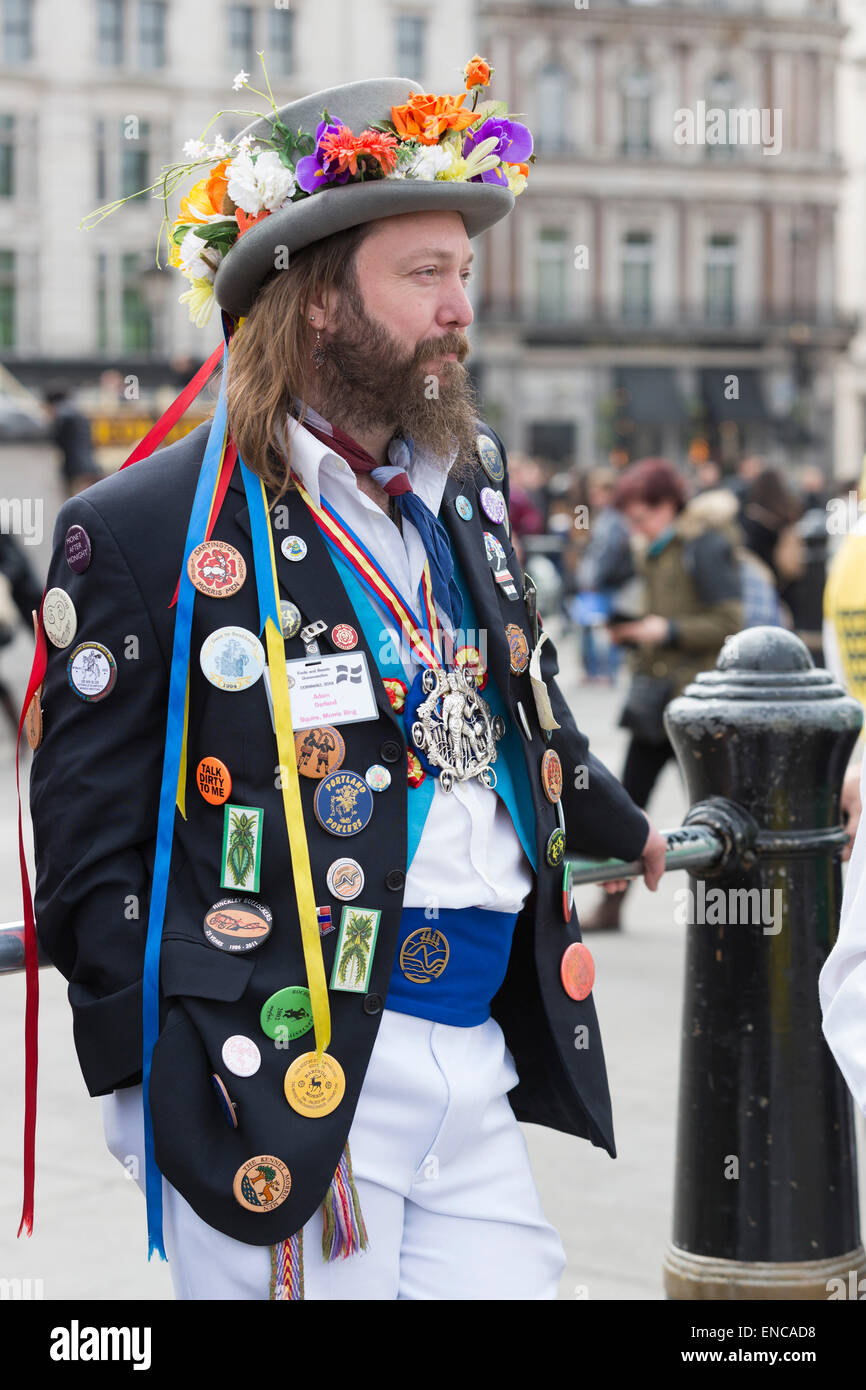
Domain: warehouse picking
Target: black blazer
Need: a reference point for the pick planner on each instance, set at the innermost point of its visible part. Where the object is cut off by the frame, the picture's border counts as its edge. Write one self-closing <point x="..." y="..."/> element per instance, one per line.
<point x="94" y="798"/>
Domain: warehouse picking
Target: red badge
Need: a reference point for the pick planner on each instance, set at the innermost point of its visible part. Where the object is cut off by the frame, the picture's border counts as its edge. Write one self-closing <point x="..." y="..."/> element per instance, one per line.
<point x="577" y="970"/>
<point x="344" y="637"/>
<point x="551" y="775"/>
<point x="213" y="780"/>
<point x="471" y="657"/>
<point x="396" y="692"/>
<point x="217" y="569"/>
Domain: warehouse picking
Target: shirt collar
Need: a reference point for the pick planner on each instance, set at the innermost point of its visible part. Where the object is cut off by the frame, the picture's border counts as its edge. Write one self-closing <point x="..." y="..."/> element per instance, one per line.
<point x="309" y="454"/>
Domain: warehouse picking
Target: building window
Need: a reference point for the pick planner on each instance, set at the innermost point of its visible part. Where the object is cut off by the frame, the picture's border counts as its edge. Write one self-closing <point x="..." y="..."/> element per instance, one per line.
<point x="280" y="55"/>
<point x="136" y="327"/>
<point x="134" y="159"/>
<point x="7" y="156"/>
<point x="101" y="301"/>
<point x="721" y="259"/>
<point x="411" y="43"/>
<point x="553" y="127"/>
<point x="637" y="277"/>
<point x="110" y="33"/>
<point x="241" y="43"/>
<point x="636" y="113"/>
<point x="721" y="96"/>
<point x="7" y="299"/>
<point x="17" y="31"/>
<point x="151" y="34"/>
<point x="550" y="274"/>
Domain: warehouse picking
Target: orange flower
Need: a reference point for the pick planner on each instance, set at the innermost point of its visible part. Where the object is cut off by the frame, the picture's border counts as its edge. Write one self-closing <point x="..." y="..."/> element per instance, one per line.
<point x="477" y="73"/>
<point x="343" y="149"/>
<point x="245" y="220"/>
<point x="521" y="168"/>
<point x="424" y="118"/>
<point x="206" y="197"/>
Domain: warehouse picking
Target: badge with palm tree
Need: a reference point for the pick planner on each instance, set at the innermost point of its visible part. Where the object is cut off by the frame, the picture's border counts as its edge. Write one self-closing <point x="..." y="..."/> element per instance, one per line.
<point x="353" y="961"/>
<point x="242" y="850"/>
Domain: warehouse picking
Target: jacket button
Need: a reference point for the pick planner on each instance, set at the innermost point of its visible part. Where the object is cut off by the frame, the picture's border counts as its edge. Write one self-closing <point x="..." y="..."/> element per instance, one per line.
<point x="395" y="879"/>
<point x="391" y="751"/>
<point x="373" y="1004"/>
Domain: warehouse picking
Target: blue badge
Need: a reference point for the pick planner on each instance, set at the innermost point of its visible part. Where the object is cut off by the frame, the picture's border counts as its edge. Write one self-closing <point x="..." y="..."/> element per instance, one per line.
<point x="491" y="459"/>
<point x="343" y="803"/>
<point x="463" y="507"/>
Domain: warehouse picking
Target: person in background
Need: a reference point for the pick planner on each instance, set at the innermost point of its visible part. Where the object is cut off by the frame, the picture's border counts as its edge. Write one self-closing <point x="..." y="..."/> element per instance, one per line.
<point x="688" y="560"/>
<point x="769" y="512"/>
<point x="70" y="431"/>
<point x="604" y="566"/>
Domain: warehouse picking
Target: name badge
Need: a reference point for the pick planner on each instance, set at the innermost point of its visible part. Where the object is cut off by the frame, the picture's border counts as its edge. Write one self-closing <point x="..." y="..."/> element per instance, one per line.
<point x="328" y="690"/>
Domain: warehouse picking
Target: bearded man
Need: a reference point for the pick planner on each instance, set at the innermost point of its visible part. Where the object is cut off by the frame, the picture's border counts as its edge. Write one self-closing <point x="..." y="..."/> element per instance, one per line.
<point x="369" y="971"/>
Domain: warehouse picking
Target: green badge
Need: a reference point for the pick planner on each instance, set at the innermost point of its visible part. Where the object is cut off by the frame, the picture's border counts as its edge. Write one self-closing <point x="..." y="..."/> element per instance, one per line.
<point x="353" y="961"/>
<point x="555" y="852"/>
<point x="242" y="847"/>
<point x="287" y="1014"/>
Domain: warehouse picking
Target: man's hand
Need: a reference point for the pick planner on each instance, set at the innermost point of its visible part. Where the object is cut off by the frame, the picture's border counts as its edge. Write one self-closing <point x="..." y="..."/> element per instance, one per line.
<point x="653" y="860"/>
<point x="851" y="806"/>
<point x="651" y="631"/>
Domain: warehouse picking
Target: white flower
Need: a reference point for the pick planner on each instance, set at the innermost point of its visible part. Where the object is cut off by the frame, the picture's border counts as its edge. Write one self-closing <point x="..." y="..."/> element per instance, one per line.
<point x="218" y="148"/>
<point x="245" y="141"/>
<point x="200" y="300"/>
<point x="240" y="81"/>
<point x="194" y="149"/>
<point x="265" y="183"/>
<point x="430" y="160"/>
<point x="191" y="253"/>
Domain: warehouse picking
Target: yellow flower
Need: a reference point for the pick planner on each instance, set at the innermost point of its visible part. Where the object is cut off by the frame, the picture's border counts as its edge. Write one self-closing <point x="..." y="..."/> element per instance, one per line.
<point x="516" y="179"/>
<point x="200" y="299"/>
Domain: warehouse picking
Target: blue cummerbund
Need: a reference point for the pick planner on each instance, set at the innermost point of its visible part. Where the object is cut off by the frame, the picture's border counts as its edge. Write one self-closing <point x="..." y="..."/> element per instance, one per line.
<point x="448" y="968"/>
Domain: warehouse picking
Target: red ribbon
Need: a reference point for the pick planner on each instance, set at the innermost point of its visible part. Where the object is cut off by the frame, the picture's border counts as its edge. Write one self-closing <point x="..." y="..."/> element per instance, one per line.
<point x="156" y="434"/>
<point x="31" y="956"/>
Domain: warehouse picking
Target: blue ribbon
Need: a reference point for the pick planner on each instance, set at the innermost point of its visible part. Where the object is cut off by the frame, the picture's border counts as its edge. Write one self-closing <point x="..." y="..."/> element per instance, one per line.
<point x="167" y="798"/>
<point x="260" y="532"/>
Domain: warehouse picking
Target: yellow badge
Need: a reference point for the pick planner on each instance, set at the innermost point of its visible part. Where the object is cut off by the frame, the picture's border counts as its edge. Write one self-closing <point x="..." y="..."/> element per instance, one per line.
<point x="315" y="1086"/>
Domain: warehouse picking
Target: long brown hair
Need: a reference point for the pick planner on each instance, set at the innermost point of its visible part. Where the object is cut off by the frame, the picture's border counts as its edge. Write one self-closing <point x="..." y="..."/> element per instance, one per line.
<point x="269" y="355"/>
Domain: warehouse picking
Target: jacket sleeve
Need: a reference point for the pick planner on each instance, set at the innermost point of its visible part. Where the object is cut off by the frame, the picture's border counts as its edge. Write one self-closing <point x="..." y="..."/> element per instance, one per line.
<point x="94" y="791"/>
<point x="600" y="817"/>
<point x="715" y="570"/>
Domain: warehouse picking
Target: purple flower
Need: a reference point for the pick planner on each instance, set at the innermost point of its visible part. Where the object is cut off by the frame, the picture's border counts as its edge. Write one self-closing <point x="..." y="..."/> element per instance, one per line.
<point x="514" y="146"/>
<point x="312" y="171"/>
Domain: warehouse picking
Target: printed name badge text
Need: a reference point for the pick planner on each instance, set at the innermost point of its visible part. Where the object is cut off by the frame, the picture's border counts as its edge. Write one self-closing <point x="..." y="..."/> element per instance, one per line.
<point x="328" y="690"/>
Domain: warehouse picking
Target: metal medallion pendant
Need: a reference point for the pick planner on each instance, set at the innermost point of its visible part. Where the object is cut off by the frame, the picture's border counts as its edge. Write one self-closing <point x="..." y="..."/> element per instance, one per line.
<point x="451" y="726"/>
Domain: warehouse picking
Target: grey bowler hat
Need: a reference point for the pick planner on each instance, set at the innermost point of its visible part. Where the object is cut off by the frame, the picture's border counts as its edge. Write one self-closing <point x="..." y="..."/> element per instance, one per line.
<point x="250" y="261"/>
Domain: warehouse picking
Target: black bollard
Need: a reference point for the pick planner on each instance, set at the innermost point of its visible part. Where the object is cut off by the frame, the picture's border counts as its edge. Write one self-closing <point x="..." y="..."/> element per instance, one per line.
<point x="765" y="1203"/>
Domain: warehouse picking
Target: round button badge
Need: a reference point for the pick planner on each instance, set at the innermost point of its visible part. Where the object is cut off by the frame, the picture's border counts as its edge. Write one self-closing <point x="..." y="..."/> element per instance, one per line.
<point x="343" y="803"/>
<point x="551" y="775"/>
<point x="567" y="892"/>
<point x="213" y="780"/>
<point x="463" y="507"/>
<point x="577" y="970"/>
<point x="287" y="1014"/>
<point x="315" y="1086"/>
<point x="78" y="549"/>
<point x="216" y="568"/>
<point x="293" y="547"/>
<point x="33" y="721"/>
<point x="290" y="618"/>
<point x="262" y="1183"/>
<point x="345" y="879"/>
<point x="378" y="777"/>
<point x="491" y="459"/>
<point x="344" y="636"/>
<point x="241" y="1055"/>
<point x="493" y="505"/>
<point x="59" y="617"/>
<point x="232" y="658"/>
<point x="424" y="955"/>
<point x="319" y="751"/>
<point x="91" y="671"/>
<point x="237" y="924"/>
<point x="226" y="1103"/>
<point x="555" y="851"/>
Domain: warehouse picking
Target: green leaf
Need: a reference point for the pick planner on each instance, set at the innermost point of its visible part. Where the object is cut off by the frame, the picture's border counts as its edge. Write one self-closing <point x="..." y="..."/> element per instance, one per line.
<point x="209" y="230"/>
<point x="485" y="109"/>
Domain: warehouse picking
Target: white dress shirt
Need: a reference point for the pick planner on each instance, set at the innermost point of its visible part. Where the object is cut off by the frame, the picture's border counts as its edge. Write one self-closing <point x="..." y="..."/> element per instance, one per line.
<point x="469" y="854"/>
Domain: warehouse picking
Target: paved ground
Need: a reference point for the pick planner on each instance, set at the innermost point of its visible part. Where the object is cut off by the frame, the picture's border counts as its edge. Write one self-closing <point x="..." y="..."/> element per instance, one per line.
<point x="614" y="1216"/>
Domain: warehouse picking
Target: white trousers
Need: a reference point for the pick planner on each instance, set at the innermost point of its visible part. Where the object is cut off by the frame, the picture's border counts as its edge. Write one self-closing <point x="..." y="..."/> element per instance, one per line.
<point x="442" y="1172"/>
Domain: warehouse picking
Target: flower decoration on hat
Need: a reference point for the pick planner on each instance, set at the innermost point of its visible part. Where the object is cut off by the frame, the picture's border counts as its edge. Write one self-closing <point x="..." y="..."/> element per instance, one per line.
<point x="246" y="180"/>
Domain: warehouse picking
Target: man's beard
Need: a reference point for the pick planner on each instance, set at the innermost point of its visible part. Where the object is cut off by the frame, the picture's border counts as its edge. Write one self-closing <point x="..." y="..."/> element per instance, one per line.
<point x="367" y="379"/>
